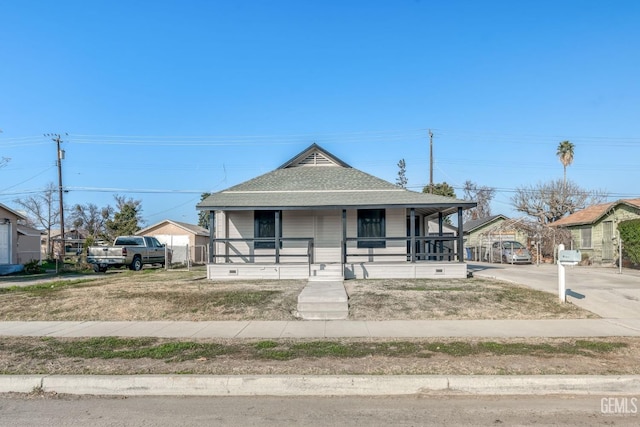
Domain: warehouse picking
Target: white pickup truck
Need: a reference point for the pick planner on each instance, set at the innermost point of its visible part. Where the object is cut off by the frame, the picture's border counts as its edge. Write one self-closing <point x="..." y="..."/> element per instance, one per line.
<point x="130" y="251"/>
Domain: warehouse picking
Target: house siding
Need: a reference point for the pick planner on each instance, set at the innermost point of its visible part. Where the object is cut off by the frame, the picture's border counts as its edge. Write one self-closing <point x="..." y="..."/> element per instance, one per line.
<point x="324" y="226"/>
<point x="594" y="253"/>
<point x="10" y="252"/>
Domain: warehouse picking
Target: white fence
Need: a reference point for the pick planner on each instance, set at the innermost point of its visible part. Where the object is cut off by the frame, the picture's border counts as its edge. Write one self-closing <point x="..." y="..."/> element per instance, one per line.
<point x="179" y="256"/>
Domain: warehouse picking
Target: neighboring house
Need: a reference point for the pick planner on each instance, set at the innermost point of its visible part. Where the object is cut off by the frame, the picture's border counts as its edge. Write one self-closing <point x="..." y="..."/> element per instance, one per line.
<point x="594" y="229"/>
<point x="480" y="233"/>
<point x="186" y="241"/>
<point x="9" y="234"/>
<point x="316" y="215"/>
<point x="73" y="243"/>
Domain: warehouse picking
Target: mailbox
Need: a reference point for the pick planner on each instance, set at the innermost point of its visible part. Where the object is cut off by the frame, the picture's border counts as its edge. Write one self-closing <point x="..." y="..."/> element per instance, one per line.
<point x="569" y="257"/>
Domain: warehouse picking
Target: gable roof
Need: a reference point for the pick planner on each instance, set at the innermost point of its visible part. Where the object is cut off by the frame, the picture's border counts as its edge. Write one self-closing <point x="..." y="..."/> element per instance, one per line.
<point x="316" y="179"/>
<point x="474" y="224"/>
<point x="191" y="228"/>
<point x="12" y="212"/>
<point x="25" y="230"/>
<point x="592" y="214"/>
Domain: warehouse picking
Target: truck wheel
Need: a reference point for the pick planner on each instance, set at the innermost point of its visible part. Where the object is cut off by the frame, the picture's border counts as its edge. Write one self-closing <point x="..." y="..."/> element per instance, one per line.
<point x="136" y="265"/>
<point x="96" y="268"/>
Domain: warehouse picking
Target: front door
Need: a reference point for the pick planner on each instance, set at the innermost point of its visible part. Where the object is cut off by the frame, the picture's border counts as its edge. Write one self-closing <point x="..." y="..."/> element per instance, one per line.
<point x="327" y="236"/>
<point x="607" y="241"/>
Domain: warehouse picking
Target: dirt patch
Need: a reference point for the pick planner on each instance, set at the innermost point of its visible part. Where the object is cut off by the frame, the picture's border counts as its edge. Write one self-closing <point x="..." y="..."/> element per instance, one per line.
<point x="189" y="296"/>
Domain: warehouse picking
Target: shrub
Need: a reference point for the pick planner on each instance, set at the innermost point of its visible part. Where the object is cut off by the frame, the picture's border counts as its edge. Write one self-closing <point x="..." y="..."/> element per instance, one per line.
<point x="33" y="267"/>
<point x="630" y="235"/>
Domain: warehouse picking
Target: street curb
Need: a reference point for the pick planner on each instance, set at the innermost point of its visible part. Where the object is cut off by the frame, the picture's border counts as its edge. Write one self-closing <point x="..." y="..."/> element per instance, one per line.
<point x="319" y="385"/>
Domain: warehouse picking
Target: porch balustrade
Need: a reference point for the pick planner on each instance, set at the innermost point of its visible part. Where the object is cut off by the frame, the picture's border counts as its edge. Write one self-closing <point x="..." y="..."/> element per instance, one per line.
<point x="430" y="248"/>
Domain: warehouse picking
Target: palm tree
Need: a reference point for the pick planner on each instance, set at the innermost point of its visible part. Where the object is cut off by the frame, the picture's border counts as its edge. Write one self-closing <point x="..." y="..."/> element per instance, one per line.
<point x="565" y="154"/>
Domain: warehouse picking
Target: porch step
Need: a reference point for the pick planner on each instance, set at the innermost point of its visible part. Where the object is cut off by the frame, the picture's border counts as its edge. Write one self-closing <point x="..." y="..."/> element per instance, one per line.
<point x="326" y="272"/>
<point x="323" y="300"/>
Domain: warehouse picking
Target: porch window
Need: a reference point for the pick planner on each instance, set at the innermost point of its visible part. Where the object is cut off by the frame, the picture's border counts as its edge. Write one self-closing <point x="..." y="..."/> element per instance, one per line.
<point x="265" y="227"/>
<point x="371" y="223"/>
<point x="585" y="238"/>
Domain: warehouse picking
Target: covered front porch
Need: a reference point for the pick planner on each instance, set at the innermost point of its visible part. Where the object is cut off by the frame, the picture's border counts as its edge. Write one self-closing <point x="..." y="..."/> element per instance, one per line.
<point x="335" y="244"/>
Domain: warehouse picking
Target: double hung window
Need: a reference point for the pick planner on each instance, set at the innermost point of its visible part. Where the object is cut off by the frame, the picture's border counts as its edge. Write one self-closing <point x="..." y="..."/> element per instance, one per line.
<point x="264" y="223"/>
<point x="371" y="224"/>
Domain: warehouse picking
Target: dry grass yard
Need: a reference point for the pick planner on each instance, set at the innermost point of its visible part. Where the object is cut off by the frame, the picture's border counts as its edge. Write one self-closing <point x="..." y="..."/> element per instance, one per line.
<point x="183" y="295"/>
<point x="171" y="295"/>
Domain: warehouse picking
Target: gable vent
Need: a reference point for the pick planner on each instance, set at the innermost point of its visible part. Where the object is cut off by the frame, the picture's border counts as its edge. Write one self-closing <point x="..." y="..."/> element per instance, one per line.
<point x="314" y="159"/>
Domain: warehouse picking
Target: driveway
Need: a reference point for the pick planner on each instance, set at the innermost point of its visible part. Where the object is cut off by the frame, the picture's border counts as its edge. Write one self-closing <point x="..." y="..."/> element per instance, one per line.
<point x="603" y="291"/>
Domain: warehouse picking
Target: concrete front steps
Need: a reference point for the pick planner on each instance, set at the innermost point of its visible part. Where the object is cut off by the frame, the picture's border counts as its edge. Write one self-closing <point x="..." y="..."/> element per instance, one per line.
<point x="326" y="272"/>
<point x="323" y="300"/>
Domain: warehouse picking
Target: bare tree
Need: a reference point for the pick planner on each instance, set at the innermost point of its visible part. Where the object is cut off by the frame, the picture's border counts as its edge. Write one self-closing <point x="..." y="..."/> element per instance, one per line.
<point x="91" y="219"/>
<point x="548" y="202"/>
<point x="482" y="195"/>
<point x="42" y="211"/>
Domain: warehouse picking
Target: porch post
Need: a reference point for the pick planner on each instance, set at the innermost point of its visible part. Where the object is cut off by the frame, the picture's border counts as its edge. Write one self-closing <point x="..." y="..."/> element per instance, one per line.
<point x="277" y="237"/>
<point x="440" y="230"/>
<point x="412" y="233"/>
<point x="344" y="236"/>
<point x="460" y="237"/>
<point x="212" y="236"/>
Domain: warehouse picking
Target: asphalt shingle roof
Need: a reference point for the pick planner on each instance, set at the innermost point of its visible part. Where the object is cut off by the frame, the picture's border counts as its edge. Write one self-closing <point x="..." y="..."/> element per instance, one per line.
<point x="475" y="223"/>
<point x="291" y="187"/>
<point x="591" y="214"/>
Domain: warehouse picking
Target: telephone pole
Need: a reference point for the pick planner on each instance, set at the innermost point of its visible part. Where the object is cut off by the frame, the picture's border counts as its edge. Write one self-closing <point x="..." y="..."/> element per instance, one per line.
<point x="58" y="140"/>
<point x="430" y="161"/>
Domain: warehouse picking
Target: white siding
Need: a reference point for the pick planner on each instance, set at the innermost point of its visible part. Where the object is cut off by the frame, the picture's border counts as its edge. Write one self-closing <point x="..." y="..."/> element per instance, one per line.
<point x="396" y="224"/>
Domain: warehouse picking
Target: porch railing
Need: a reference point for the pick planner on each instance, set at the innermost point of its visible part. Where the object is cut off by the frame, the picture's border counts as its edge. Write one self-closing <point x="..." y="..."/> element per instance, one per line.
<point x="432" y="248"/>
<point x="251" y="252"/>
<point x="435" y="248"/>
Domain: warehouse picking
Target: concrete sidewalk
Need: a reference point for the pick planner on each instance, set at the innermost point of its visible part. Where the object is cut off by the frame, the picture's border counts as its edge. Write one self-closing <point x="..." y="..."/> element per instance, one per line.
<point x="331" y="329"/>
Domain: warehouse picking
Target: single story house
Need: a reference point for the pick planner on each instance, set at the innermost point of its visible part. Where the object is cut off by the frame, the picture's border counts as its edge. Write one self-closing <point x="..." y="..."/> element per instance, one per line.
<point x="19" y="243"/>
<point x="317" y="216"/>
<point x="186" y="241"/>
<point x="480" y="233"/>
<point x="594" y="229"/>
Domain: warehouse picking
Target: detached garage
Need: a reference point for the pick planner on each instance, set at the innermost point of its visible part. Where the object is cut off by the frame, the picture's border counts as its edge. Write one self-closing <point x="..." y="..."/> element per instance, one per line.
<point x="9" y="235"/>
<point x="186" y="241"/>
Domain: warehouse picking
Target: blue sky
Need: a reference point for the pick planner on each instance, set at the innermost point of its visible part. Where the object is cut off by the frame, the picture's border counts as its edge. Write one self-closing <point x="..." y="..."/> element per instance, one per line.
<point x="165" y="100"/>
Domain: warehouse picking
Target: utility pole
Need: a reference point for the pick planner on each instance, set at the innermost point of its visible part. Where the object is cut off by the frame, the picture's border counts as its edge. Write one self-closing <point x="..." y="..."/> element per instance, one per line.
<point x="430" y="161"/>
<point x="57" y="139"/>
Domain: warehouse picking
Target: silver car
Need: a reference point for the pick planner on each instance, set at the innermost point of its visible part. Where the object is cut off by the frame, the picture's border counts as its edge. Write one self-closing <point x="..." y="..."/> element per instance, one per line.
<point x="510" y="252"/>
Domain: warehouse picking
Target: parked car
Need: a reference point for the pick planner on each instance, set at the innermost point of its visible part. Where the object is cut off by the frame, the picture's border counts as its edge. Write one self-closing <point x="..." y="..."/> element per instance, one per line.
<point x="131" y="251"/>
<point x="509" y="252"/>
